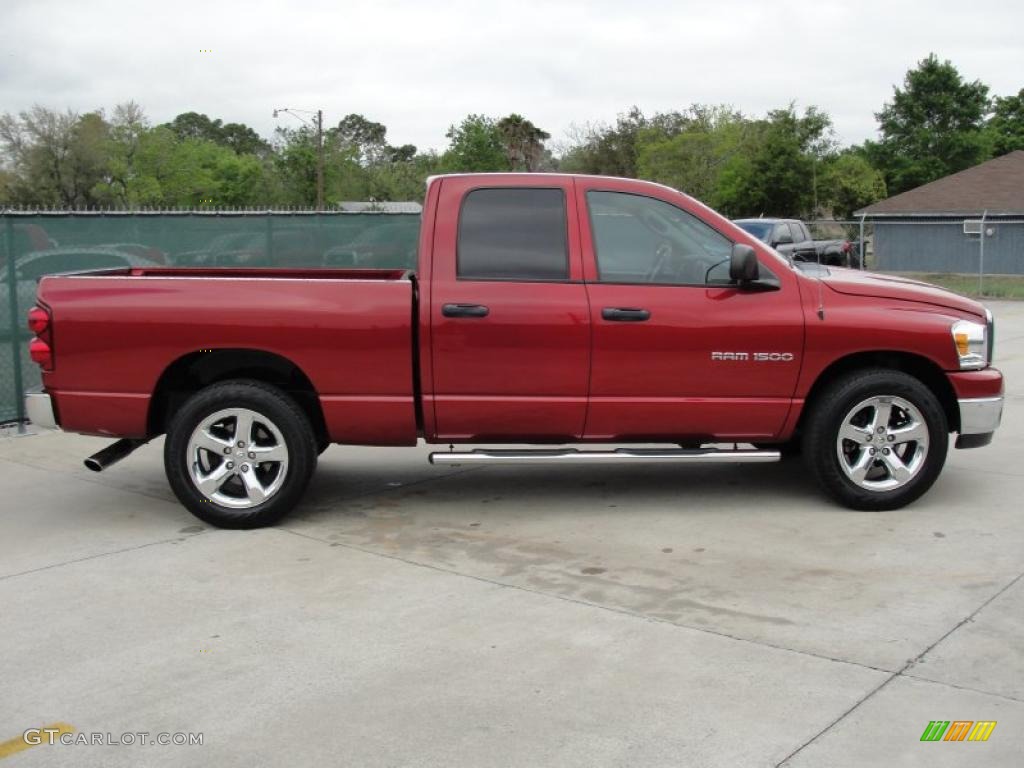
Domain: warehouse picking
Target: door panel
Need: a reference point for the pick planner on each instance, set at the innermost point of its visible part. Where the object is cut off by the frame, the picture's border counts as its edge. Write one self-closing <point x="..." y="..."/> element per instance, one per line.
<point x="697" y="360"/>
<point x="656" y="379"/>
<point x="511" y="356"/>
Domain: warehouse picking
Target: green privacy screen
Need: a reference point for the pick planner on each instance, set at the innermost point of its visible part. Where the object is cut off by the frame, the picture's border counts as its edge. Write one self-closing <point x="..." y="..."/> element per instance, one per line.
<point x="37" y="244"/>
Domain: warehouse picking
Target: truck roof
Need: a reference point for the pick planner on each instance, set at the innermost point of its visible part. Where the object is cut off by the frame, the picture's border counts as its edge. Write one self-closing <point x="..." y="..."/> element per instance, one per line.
<point x="548" y="174"/>
<point x="555" y="174"/>
<point x="526" y="175"/>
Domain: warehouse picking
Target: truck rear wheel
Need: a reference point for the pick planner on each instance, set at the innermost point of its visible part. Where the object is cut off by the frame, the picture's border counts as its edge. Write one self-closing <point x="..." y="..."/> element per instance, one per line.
<point x="876" y="439"/>
<point x="239" y="454"/>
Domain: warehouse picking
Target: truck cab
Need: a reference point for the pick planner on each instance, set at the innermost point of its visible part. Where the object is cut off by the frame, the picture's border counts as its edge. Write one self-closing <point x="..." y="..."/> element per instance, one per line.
<point x="599" y="309"/>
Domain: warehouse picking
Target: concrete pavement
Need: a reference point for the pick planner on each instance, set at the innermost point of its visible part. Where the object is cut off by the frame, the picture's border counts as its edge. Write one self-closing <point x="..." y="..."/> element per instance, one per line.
<point x="417" y="615"/>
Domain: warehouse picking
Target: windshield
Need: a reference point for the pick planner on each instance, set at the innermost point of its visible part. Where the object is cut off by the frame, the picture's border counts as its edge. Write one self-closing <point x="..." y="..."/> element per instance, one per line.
<point x="759" y="229"/>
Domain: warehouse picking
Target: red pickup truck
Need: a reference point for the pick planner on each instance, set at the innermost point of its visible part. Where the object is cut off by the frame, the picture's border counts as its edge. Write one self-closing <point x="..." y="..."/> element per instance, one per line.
<point x="546" y="310"/>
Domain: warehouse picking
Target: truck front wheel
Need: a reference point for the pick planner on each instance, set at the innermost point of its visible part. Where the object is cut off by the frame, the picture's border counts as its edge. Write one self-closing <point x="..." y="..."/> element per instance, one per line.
<point x="876" y="439"/>
<point x="239" y="454"/>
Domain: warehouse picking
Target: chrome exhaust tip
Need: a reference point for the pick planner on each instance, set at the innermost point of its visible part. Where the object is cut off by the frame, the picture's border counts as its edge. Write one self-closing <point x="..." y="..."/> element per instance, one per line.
<point x="112" y="454"/>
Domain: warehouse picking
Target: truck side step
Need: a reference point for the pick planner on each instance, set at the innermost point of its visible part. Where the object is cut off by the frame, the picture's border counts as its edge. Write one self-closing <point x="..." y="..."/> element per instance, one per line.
<point x="574" y="456"/>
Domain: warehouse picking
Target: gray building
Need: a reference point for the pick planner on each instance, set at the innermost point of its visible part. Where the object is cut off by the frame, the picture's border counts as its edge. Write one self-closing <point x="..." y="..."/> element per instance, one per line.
<point x="938" y="227"/>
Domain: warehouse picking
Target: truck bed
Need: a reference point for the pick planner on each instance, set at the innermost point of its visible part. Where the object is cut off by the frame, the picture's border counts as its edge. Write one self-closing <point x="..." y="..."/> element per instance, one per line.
<point x="124" y="332"/>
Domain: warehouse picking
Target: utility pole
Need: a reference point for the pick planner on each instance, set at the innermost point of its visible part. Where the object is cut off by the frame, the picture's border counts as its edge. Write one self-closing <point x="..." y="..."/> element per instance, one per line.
<point x="319" y="117"/>
<point x="319" y="160"/>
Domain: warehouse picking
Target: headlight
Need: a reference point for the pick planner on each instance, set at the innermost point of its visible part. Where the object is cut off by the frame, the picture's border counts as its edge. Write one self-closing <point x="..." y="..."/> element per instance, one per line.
<point x="971" y="344"/>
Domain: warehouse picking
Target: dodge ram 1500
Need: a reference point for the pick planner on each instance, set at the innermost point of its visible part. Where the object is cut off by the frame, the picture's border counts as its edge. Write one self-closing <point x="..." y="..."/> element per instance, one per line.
<point x="547" y="310"/>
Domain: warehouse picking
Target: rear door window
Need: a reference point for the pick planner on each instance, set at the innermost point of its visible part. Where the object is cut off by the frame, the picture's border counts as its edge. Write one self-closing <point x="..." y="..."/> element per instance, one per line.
<point x="513" y="234"/>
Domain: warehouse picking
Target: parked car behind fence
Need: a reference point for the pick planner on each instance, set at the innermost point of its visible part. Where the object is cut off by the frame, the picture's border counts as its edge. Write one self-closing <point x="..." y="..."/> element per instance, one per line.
<point x="792" y="238"/>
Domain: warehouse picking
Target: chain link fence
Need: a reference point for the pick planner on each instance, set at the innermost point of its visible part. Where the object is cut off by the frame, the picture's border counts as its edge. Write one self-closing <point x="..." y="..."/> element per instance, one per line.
<point x="37" y="243"/>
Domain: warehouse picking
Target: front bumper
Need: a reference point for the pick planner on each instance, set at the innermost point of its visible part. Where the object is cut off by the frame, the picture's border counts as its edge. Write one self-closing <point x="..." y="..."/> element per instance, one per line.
<point x="979" y="419"/>
<point x="39" y="409"/>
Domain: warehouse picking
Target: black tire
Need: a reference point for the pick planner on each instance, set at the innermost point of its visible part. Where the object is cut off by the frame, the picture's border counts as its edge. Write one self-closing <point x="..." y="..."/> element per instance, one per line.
<point x="826" y="417"/>
<point x="266" y="401"/>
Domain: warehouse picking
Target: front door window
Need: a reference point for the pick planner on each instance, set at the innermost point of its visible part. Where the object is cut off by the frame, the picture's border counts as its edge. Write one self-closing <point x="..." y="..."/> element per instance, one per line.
<point x="639" y="239"/>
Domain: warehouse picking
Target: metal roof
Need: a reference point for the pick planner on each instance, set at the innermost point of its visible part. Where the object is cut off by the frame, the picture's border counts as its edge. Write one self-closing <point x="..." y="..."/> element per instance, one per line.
<point x="355" y="206"/>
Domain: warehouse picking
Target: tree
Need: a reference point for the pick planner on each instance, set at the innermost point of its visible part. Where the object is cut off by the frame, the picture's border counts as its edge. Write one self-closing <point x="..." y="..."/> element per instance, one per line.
<point x="127" y="128"/>
<point x="242" y="139"/>
<point x="932" y="127"/>
<point x="402" y="179"/>
<point x="1006" y="126"/>
<point x="154" y="167"/>
<point x="402" y="154"/>
<point x="6" y="184"/>
<point x="715" y="153"/>
<point x="691" y="152"/>
<point x="853" y="183"/>
<point x="608" y="150"/>
<point x="365" y="142"/>
<point x="237" y="137"/>
<point x="294" y="162"/>
<point x="87" y="159"/>
<point x="55" y="158"/>
<point x="169" y="172"/>
<point x="475" y="144"/>
<point x="776" y="175"/>
<point x="365" y="139"/>
<point x="295" y="159"/>
<point x="523" y="142"/>
<point x="193" y="125"/>
<point x="240" y="179"/>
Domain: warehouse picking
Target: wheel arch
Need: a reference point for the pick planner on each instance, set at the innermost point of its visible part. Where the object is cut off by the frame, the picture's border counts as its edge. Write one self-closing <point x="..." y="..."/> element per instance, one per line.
<point x="193" y="371"/>
<point x="922" y="368"/>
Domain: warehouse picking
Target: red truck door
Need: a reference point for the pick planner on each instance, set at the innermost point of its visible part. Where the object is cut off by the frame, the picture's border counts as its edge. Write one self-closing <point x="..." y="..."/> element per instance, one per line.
<point x="674" y="355"/>
<point x="510" y="325"/>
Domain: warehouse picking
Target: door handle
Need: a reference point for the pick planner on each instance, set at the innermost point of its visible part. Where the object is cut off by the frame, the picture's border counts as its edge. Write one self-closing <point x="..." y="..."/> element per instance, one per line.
<point x="464" y="310"/>
<point x="625" y="314"/>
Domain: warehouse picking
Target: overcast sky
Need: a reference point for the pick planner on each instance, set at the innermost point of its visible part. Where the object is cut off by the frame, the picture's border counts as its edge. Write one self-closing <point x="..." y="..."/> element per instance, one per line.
<point x="418" y="67"/>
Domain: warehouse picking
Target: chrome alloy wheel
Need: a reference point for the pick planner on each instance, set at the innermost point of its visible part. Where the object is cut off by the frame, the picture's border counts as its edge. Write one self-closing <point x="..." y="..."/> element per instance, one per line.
<point x="237" y="458"/>
<point x="882" y="443"/>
